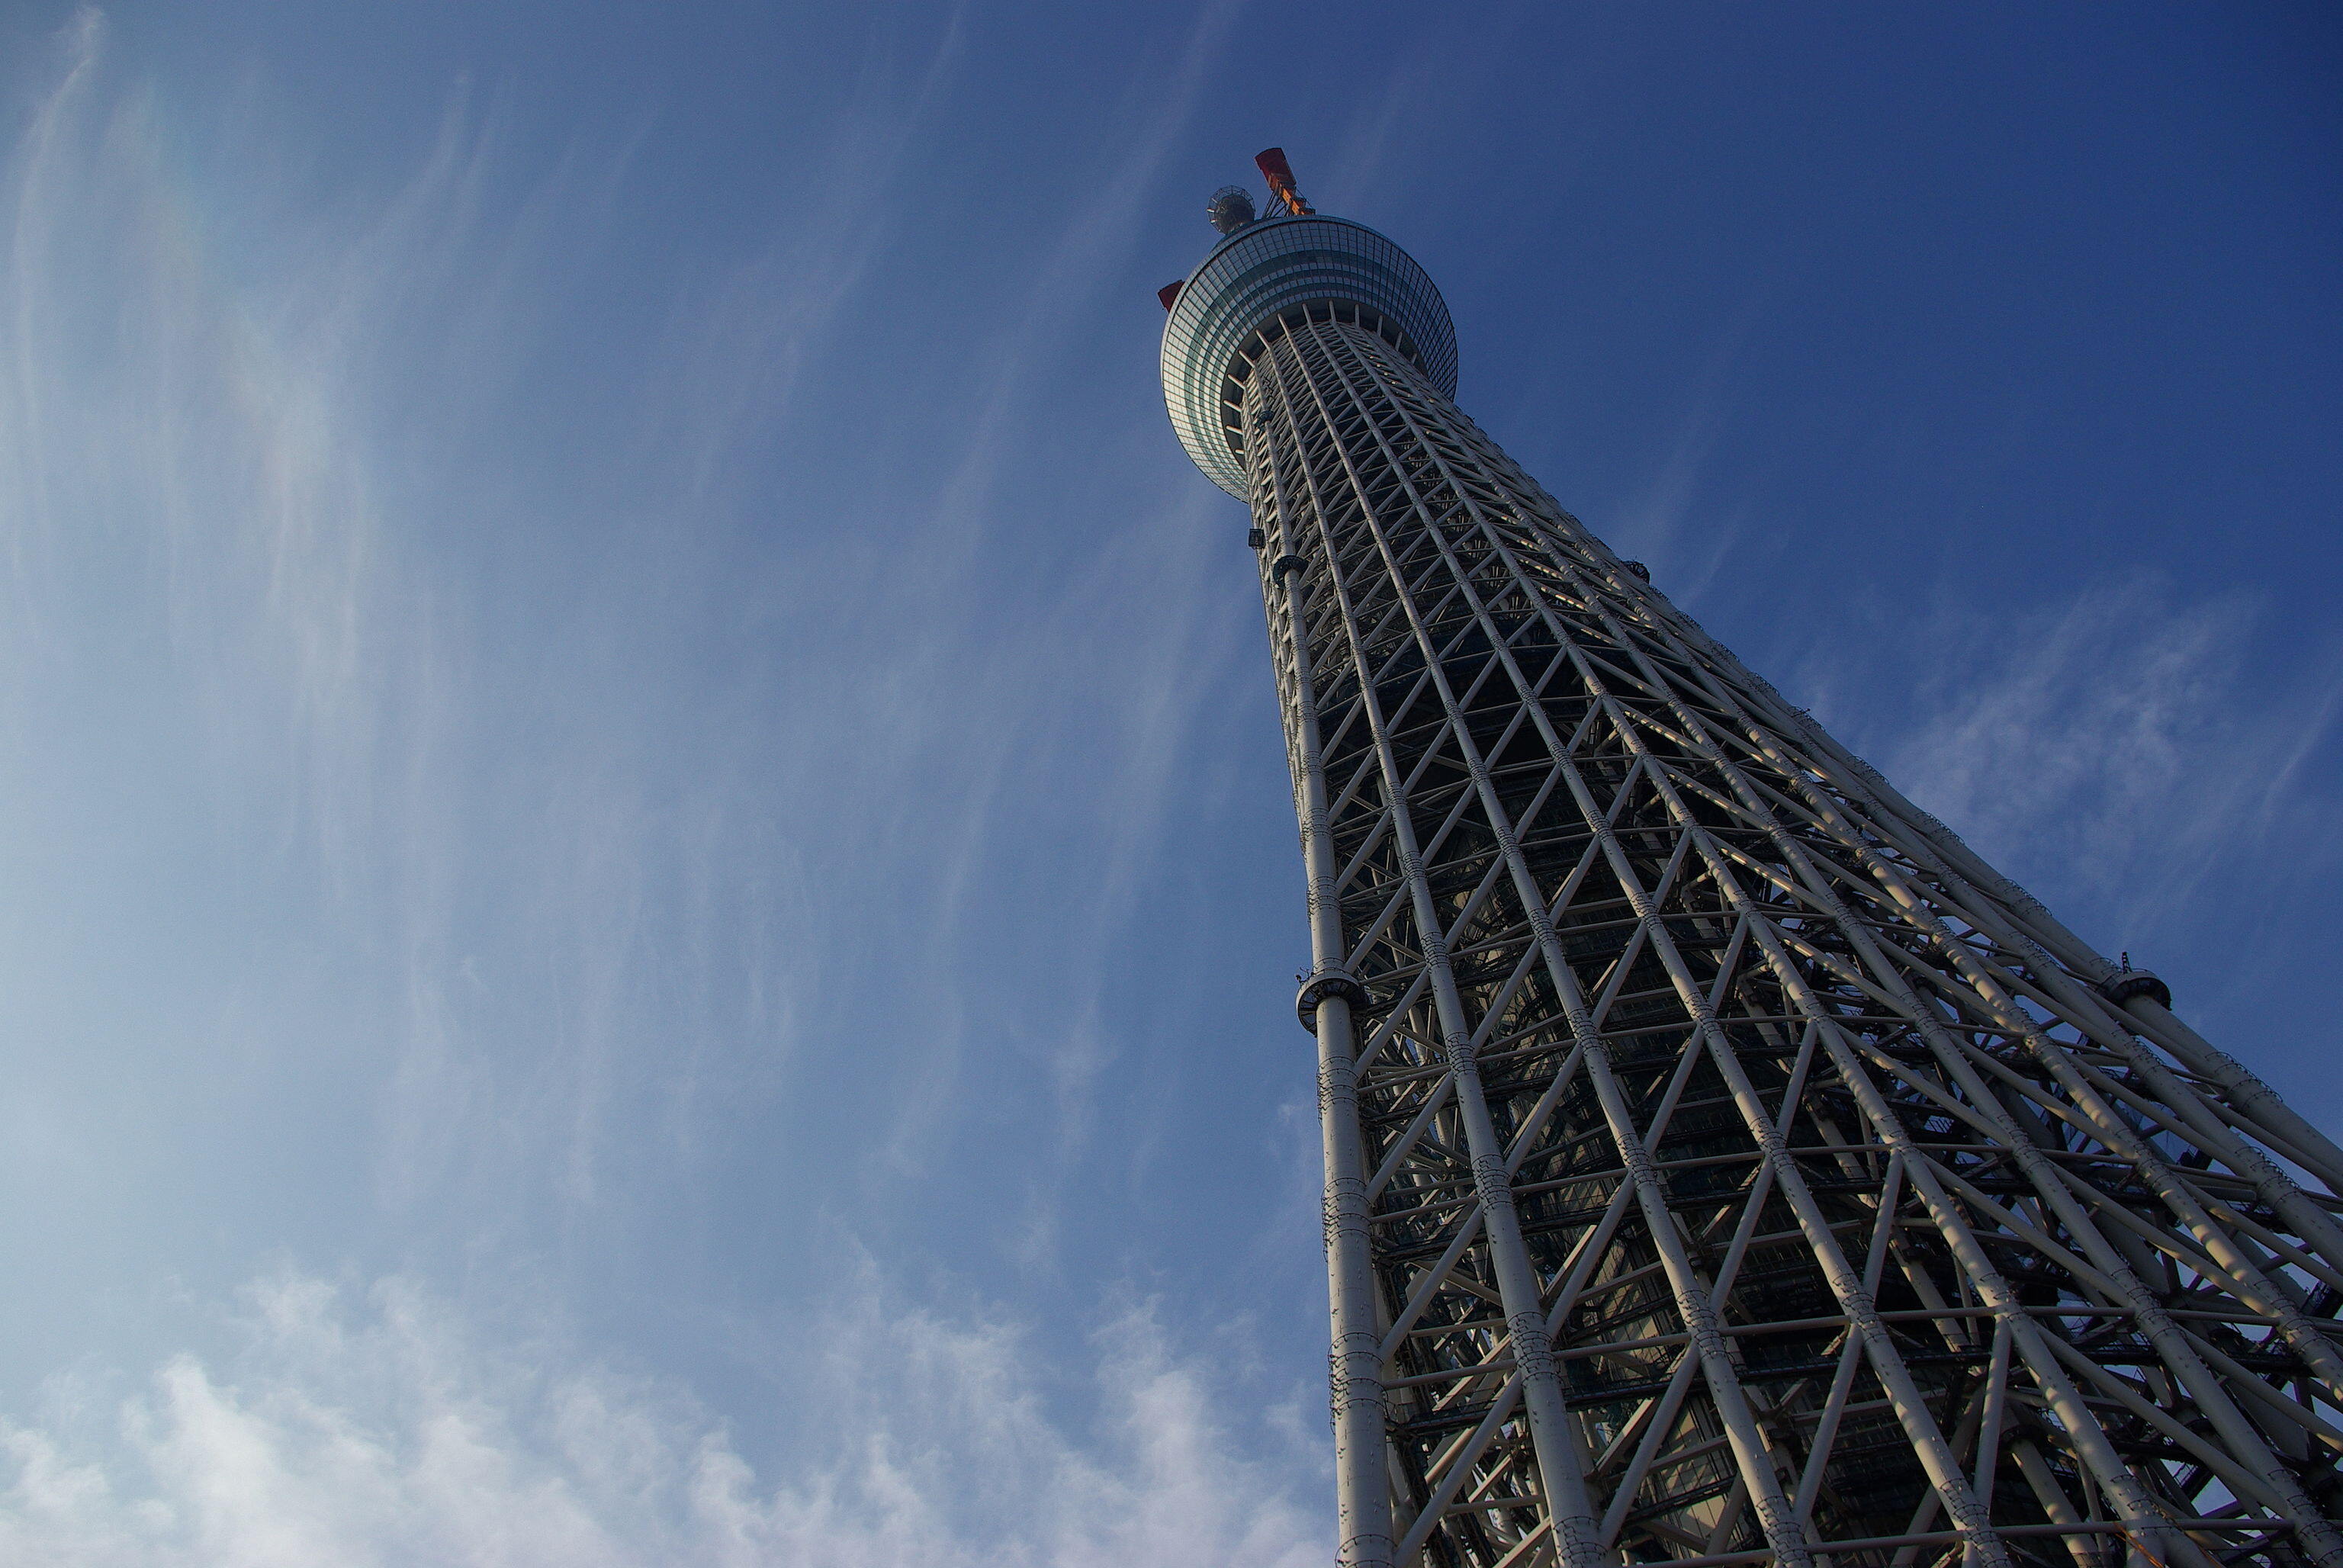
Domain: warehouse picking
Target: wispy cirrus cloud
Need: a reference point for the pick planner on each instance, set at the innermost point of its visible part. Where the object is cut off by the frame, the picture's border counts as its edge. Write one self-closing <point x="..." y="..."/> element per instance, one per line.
<point x="2108" y="749"/>
<point x="610" y="836"/>
<point x="224" y="559"/>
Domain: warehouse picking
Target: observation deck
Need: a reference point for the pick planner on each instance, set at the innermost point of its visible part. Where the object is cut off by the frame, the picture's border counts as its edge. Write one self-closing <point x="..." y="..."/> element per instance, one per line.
<point x="1269" y="268"/>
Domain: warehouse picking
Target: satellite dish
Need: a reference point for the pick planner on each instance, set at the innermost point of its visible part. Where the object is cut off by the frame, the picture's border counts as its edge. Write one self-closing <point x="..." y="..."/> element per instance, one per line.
<point x="1230" y="208"/>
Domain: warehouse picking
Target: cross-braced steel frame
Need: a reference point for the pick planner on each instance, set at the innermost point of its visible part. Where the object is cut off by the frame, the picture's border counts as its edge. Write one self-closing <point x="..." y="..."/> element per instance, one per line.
<point x="1723" y="1165"/>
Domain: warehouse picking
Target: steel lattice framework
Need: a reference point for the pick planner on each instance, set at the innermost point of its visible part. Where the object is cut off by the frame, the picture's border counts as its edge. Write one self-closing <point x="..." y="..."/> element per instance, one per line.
<point x="1723" y="1165"/>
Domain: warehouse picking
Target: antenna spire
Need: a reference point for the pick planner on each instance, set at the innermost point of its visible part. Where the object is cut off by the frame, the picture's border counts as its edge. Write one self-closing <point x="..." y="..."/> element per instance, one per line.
<point x="1280" y="175"/>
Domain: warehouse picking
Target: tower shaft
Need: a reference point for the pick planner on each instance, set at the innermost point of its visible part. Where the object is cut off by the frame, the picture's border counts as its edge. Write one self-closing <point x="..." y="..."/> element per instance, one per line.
<point x="1723" y="1165"/>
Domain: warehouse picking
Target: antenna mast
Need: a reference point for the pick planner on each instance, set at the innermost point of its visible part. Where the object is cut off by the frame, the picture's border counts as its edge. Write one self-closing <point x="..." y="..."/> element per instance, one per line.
<point x="1282" y="189"/>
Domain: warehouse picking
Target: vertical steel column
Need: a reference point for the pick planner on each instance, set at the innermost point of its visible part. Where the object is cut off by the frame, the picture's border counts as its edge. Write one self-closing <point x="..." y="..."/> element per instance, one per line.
<point x="1517" y="1282"/>
<point x="1354" y="1365"/>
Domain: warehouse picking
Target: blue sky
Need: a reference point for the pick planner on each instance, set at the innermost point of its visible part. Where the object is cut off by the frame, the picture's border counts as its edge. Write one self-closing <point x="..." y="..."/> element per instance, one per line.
<point x="649" y="901"/>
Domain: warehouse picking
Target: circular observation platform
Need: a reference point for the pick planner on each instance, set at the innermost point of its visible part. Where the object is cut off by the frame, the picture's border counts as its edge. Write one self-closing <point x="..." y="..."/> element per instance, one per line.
<point x="1284" y="267"/>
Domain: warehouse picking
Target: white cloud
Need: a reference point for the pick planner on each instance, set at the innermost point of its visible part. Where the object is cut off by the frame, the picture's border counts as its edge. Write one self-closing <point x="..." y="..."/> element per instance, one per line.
<point x="381" y="1430"/>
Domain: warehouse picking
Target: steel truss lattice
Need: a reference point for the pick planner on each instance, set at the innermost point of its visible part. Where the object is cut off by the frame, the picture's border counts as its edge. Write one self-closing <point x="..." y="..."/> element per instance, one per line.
<point x="1723" y="1165"/>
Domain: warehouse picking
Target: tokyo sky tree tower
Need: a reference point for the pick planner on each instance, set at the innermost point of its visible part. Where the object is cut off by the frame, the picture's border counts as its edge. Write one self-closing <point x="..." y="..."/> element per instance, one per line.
<point x="1723" y="1164"/>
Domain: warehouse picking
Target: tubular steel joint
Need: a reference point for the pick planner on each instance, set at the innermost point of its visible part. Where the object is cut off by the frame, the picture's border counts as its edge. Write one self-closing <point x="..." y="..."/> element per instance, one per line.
<point x="2125" y="984"/>
<point x="1318" y="987"/>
